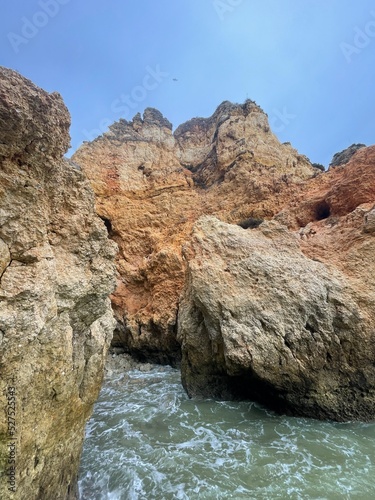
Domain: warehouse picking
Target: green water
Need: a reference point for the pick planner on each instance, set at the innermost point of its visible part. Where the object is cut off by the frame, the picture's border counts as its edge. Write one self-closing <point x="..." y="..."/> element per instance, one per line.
<point x="147" y="440"/>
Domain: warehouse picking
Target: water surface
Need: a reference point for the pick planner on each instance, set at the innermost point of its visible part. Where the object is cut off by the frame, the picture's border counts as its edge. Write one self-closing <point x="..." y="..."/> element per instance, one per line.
<point x="146" y="440"/>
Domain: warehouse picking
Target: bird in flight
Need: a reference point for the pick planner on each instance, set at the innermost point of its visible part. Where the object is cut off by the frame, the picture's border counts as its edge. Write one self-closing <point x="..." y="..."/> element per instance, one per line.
<point x="175" y="80"/>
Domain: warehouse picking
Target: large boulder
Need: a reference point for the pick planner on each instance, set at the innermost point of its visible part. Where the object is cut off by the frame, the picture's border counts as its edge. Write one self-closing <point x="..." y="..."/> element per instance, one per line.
<point x="56" y="273"/>
<point x="261" y="320"/>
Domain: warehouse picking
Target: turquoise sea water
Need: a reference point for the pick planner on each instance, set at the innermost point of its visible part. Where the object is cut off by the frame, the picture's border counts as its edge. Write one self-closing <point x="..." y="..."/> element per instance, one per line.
<point x="146" y="440"/>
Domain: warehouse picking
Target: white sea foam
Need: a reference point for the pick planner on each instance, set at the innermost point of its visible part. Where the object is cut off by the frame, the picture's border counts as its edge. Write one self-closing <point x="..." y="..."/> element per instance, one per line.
<point x="147" y="440"/>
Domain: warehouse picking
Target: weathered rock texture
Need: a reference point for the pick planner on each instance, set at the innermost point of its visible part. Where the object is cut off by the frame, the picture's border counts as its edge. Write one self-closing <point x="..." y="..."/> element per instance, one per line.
<point x="344" y="156"/>
<point x="56" y="272"/>
<point x="281" y="312"/>
<point x="261" y="320"/>
<point x="151" y="187"/>
<point x="285" y="313"/>
<point x="334" y="194"/>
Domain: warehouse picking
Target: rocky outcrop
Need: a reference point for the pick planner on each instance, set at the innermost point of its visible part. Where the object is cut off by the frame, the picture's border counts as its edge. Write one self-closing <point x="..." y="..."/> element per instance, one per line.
<point x="335" y="194"/>
<point x="344" y="156"/>
<point x="153" y="185"/>
<point x="277" y="307"/>
<point x="262" y="318"/>
<point x="56" y="272"/>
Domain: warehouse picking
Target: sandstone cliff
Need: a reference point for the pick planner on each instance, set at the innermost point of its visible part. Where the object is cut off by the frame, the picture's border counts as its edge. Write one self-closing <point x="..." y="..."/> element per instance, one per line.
<point x="152" y="185"/>
<point x="284" y="313"/>
<point x="56" y="272"/>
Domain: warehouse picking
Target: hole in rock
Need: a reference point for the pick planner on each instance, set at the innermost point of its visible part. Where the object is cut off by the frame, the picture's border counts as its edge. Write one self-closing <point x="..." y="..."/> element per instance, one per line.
<point x="322" y="210"/>
<point x="250" y="223"/>
<point x="108" y="225"/>
<point x="310" y="328"/>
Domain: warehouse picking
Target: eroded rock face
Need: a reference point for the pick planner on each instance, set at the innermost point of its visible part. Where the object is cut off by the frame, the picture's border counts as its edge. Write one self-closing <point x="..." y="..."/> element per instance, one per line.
<point x="152" y="185"/>
<point x="343" y="157"/>
<point x="145" y="197"/>
<point x="282" y="312"/>
<point x="334" y="194"/>
<point x="56" y="272"/>
<point x="262" y="317"/>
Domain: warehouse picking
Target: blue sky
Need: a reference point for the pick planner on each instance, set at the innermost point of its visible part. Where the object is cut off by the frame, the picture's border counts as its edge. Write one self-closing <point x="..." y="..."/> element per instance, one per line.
<point x="310" y="65"/>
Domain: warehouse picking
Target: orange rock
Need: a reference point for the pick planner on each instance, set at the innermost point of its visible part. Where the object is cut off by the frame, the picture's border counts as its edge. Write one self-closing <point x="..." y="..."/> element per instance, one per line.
<point x="152" y="185"/>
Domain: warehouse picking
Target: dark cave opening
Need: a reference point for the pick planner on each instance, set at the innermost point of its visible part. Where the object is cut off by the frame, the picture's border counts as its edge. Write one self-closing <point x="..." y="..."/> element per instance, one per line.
<point x="322" y="210"/>
<point x="108" y="225"/>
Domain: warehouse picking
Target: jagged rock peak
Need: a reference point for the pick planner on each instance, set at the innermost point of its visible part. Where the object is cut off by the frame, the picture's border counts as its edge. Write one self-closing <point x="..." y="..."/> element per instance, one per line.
<point x="222" y="113"/>
<point x="136" y="129"/>
<point x="343" y="157"/>
<point x="155" y="117"/>
<point x="128" y="130"/>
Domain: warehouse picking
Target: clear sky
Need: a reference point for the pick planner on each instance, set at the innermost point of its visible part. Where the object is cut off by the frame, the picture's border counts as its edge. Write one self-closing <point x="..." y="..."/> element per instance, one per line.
<point x="309" y="64"/>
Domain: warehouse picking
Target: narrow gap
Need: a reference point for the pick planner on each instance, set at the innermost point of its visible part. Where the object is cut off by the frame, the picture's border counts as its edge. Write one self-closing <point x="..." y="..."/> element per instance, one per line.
<point x="2" y="274"/>
<point x="108" y="225"/>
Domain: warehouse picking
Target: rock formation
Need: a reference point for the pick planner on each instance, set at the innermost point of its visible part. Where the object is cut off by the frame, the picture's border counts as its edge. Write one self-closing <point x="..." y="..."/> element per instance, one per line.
<point x="152" y="185"/>
<point x="344" y="156"/>
<point x="56" y="272"/>
<point x="284" y="313"/>
<point x="276" y="278"/>
<point x="335" y="194"/>
<point x="261" y="320"/>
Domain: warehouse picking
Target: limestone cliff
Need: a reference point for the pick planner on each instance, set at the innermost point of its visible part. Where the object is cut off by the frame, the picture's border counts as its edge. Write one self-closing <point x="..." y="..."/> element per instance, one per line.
<point x="56" y="272"/>
<point x="152" y="185"/>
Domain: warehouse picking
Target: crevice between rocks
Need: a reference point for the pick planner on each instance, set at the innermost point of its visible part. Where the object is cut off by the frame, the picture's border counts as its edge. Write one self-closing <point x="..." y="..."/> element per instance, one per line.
<point x="8" y="265"/>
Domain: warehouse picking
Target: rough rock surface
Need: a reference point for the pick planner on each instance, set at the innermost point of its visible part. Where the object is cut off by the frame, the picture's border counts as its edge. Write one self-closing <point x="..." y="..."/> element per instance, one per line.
<point x="152" y="185"/>
<point x="281" y="312"/>
<point x="56" y="272"/>
<point x="266" y="316"/>
<point x="344" y="156"/>
<point x="335" y="194"/>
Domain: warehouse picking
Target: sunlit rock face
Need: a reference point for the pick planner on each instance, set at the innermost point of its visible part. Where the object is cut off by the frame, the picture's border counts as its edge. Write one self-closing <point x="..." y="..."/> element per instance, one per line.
<point x="152" y="185"/>
<point x="56" y="273"/>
